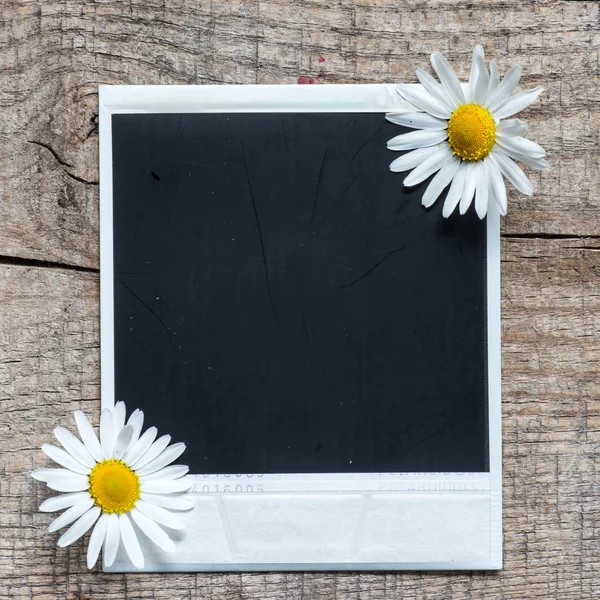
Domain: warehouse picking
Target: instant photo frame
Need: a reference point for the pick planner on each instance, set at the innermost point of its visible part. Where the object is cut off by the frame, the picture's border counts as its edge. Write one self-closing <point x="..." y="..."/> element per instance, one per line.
<point x="328" y="349"/>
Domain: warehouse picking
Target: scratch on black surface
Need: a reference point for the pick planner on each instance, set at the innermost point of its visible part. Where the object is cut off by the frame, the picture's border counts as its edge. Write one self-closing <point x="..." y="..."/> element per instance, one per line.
<point x="304" y="327"/>
<point x="285" y="140"/>
<point x="367" y="141"/>
<point x="323" y="220"/>
<point x="444" y="428"/>
<point x="242" y="449"/>
<point x="399" y="211"/>
<point x="338" y="199"/>
<point x="233" y="160"/>
<point x="260" y="237"/>
<point x="321" y="169"/>
<point x="390" y="253"/>
<point x="145" y="305"/>
<point x="195" y="164"/>
<point x="135" y="273"/>
<point x="397" y="224"/>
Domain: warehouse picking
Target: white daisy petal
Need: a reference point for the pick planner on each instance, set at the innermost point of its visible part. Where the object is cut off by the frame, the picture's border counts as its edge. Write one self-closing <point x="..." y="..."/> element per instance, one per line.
<point x="106" y="433"/>
<point x="417" y="139"/>
<point x="491" y="197"/>
<point x="74" y="447"/>
<point x="136" y="420"/>
<point x="172" y="472"/>
<point x="511" y="128"/>
<point x="122" y="441"/>
<point x="494" y="79"/>
<point x="541" y="164"/>
<point x="64" y="459"/>
<point x="71" y="514"/>
<point x="411" y="159"/>
<point x="442" y="178"/>
<point x="497" y="184"/>
<point x="74" y="482"/>
<point x="516" y="103"/>
<point x="155" y="450"/>
<point x="96" y="540"/>
<point x="475" y="62"/>
<point x="417" y="120"/>
<point x="165" y="458"/>
<point x="522" y="146"/>
<point x="88" y="436"/>
<point x="153" y="531"/>
<point x="112" y="539"/>
<point x="118" y="413"/>
<point x="436" y="90"/>
<point x="46" y="474"/>
<point x="429" y="166"/>
<point x="513" y="172"/>
<point x="482" y="191"/>
<point x="455" y="191"/>
<point x="62" y="501"/>
<point x="448" y="78"/>
<point x="469" y="190"/>
<point x="160" y="515"/>
<point x="481" y="85"/>
<point x="502" y="207"/>
<point x="80" y="527"/>
<point x="130" y="541"/>
<point x="507" y="86"/>
<point x="423" y="100"/>
<point x="173" y="502"/>
<point x="137" y="450"/>
<point x="165" y="487"/>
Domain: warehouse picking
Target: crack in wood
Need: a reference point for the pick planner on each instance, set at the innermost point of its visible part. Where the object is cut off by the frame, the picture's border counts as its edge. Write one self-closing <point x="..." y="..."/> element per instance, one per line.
<point x="15" y="261"/>
<point x="63" y="163"/>
<point x="52" y="151"/>
<point x="80" y="179"/>
<point x="47" y="264"/>
<point x="548" y="236"/>
<point x="94" y="123"/>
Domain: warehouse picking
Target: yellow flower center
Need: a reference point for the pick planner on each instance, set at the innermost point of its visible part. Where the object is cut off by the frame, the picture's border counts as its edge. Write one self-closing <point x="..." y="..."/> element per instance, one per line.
<point x="471" y="132"/>
<point x="114" y="486"/>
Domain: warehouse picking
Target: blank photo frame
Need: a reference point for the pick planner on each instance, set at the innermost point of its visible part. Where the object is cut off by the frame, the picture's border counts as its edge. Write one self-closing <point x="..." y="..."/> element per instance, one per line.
<point x="328" y="349"/>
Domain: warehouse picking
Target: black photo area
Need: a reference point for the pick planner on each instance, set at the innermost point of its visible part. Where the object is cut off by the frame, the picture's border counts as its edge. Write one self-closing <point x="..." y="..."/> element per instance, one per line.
<point x="284" y="305"/>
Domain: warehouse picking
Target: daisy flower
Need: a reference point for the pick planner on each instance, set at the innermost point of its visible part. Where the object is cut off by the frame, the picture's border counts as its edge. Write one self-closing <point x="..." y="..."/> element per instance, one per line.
<point x="121" y="479"/>
<point x="464" y="135"/>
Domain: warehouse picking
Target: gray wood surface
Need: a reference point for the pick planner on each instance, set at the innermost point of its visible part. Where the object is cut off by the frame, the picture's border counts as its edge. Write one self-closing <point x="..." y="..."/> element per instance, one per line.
<point x="53" y="55"/>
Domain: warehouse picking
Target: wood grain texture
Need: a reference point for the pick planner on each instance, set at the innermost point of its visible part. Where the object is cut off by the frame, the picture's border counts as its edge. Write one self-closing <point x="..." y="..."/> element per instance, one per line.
<point x="54" y="53"/>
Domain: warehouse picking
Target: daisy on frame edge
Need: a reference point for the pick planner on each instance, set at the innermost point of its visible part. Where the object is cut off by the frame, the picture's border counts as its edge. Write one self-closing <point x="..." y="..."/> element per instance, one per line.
<point x="464" y="135"/>
<point x="110" y="484"/>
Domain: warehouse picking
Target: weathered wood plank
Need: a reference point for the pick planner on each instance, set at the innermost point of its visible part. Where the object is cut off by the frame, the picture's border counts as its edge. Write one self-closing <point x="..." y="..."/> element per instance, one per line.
<point x="49" y="366"/>
<point x="53" y="54"/>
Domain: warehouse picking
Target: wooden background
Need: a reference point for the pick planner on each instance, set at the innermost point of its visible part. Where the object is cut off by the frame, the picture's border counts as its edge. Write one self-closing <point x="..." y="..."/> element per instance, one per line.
<point x="53" y="55"/>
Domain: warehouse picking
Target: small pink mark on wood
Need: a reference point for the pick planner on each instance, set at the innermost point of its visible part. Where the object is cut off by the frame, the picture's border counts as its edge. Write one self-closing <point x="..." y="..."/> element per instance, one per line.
<point x="321" y="59"/>
<point x="308" y="80"/>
